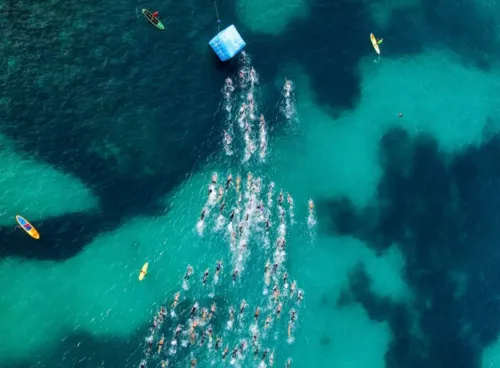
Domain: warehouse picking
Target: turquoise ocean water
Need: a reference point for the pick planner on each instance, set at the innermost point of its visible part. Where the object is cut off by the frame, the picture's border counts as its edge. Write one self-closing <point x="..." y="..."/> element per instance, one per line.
<point x="111" y="133"/>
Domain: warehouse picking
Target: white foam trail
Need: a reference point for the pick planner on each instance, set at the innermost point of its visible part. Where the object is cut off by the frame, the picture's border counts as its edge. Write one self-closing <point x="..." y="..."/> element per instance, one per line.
<point x="221" y="220"/>
<point x="227" y="142"/>
<point x="288" y="106"/>
<point x="263" y="138"/>
<point x="200" y="226"/>
<point x="311" y="219"/>
<point x="290" y="208"/>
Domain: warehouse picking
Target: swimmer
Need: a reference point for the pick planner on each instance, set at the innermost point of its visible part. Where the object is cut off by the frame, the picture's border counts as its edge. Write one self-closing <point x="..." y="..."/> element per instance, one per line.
<point x="150" y="344"/>
<point x="204" y="314"/>
<point x="292" y="288"/>
<point x="222" y="207"/>
<point x="235" y="275"/>
<point x="164" y="363"/>
<point x="268" y="225"/>
<point x="177" y="331"/>
<point x="271" y="359"/>
<point x="189" y="272"/>
<point x="278" y="310"/>
<point x="231" y="216"/>
<point x="290" y="325"/>
<point x="228" y="181"/>
<point x="194" y="324"/>
<point x="235" y="352"/>
<point x="256" y="352"/>
<point x="162" y="313"/>
<point x="160" y="343"/>
<point x="193" y="363"/>
<point x="256" y="314"/>
<point x="255" y="337"/>
<point x="288" y="363"/>
<point x="202" y="217"/>
<point x="280" y="198"/>
<point x="268" y="322"/>
<point x="213" y="308"/>
<point x="289" y="200"/>
<point x="249" y="180"/>
<point x="285" y="275"/>
<point x="221" y="193"/>
<point x="231" y="313"/>
<point x="194" y="308"/>
<point x="243" y="346"/>
<point x="202" y="340"/>
<point x="311" y="205"/>
<point x="214" y="178"/>
<point x="276" y="292"/>
<point x="218" y="341"/>
<point x="192" y="337"/>
<point x="210" y="332"/>
<point x="275" y="268"/>
<point x="300" y="295"/>
<point x="205" y="277"/>
<point x="227" y="138"/>
<point x="264" y="356"/>
<point x="224" y="353"/>
<point x="246" y="217"/>
<point x="218" y="267"/>
<point x="176" y="300"/>
<point x="238" y="183"/>
<point x="243" y="305"/>
<point x="293" y="316"/>
<point x="266" y="267"/>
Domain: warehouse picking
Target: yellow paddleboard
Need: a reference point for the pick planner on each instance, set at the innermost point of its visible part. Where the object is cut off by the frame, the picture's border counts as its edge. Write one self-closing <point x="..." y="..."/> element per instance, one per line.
<point x="374" y="43"/>
<point x="144" y="271"/>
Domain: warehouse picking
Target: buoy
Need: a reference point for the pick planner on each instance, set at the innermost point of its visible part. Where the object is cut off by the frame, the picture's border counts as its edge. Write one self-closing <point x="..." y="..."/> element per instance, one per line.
<point x="144" y="271"/>
<point x="227" y="43"/>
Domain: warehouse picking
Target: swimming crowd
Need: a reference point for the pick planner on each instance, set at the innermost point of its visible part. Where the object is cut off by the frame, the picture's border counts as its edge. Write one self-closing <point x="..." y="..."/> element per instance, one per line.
<point x="247" y="109"/>
<point x="244" y="216"/>
<point x="248" y="215"/>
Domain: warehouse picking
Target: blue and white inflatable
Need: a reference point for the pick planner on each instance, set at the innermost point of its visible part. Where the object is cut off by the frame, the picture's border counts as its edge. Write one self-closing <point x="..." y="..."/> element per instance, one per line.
<point x="227" y="43"/>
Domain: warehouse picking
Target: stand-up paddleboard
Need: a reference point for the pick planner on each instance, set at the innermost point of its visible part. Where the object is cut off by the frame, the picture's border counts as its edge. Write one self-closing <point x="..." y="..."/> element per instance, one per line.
<point x="26" y="226"/>
<point x="144" y="271"/>
<point x="153" y="20"/>
<point x="374" y="43"/>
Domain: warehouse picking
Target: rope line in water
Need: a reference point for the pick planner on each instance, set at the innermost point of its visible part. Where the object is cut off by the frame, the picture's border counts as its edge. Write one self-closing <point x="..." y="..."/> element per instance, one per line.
<point x="217" y="14"/>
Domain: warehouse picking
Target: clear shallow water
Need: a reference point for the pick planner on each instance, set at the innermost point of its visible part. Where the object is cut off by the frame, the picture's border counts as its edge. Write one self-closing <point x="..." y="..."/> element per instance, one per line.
<point x="111" y="133"/>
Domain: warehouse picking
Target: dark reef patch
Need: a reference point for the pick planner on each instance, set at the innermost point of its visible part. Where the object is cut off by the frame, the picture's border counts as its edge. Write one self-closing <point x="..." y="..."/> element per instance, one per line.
<point x="441" y="210"/>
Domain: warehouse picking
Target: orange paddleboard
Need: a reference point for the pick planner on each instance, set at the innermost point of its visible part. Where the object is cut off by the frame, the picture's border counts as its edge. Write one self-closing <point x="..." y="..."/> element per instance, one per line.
<point x="26" y="226"/>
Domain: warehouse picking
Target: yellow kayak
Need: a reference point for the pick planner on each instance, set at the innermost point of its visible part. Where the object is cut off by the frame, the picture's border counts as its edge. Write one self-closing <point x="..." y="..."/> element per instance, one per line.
<point x="375" y="43"/>
<point x="144" y="271"/>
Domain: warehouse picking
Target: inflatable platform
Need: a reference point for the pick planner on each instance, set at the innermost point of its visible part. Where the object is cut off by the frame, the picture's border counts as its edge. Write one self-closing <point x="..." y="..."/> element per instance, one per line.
<point x="227" y="43"/>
